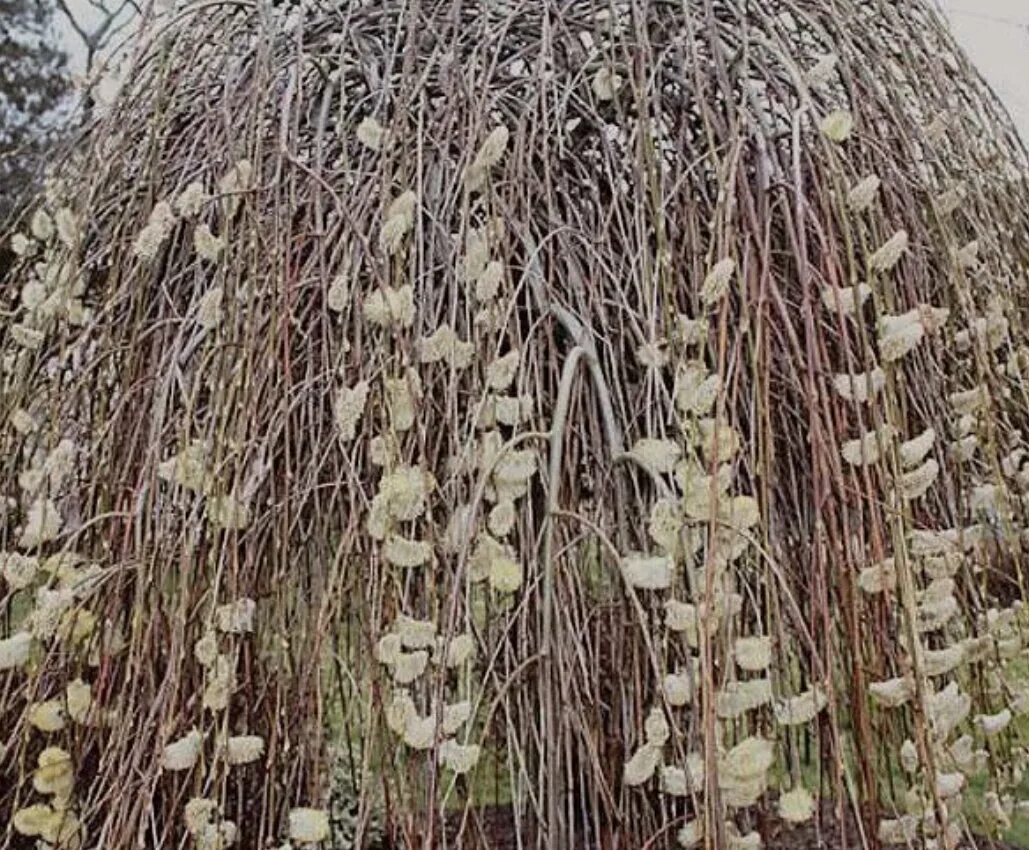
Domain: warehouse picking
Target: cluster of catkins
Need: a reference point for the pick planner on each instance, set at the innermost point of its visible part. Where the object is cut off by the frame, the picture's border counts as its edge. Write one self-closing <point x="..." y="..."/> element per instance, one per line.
<point x="401" y="512"/>
<point x="49" y="588"/>
<point x="942" y="642"/>
<point x="700" y="528"/>
<point x="699" y="520"/>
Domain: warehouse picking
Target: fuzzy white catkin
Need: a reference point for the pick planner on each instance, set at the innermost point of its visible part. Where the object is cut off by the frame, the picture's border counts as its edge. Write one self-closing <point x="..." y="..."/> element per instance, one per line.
<point x="501" y="372"/>
<point x="487" y="284"/>
<point x="492" y="150"/>
<point x="19" y="571"/>
<point x="78" y="697"/>
<point x="191" y="200"/>
<point x="821" y="72"/>
<point x="656" y="455"/>
<point x="400" y="217"/>
<point x="217" y="836"/>
<point x="208" y="246"/>
<point x="460" y="758"/>
<point x="444" y="345"/>
<point x="753" y="653"/>
<point x="655" y="727"/>
<point x="198" y="813"/>
<point x="243" y="749"/>
<point x="42" y="226"/>
<point x="802" y="708"/>
<point x="847" y="300"/>
<point x="236" y="180"/>
<point x="949" y="784"/>
<point x="308" y="826"/>
<point x="403" y="492"/>
<point x="183" y="753"/>
<point x="505" y="574"/>
<point x="228" y="512"/>
<point x="674" y="781"/>
<point x="863" y="193"/>
<point x="21" y="245"/>
<point x="419" y="732"/>
<point x="388" y="649"/>
<point x="338" y="293"/>
<point x="455" y="716"/>
<point x="15" y="650"/>
<point x="993" y="724"/>
<point x="489" y="155"/>
<point x="716" y="284"/>
<point x="909" y="756"/>
<point x="409" y="666"/>
<point x="865" y="449"/>
<point x="236" y="617"/>
<point x="388" y="307"/>
<point x="913" y="451"/>
<point x="837" y="125"/>
<point x="902" y="830"/>
<point x="917" y="482"/>
<point x="878" y="578"/>
<point x="647" y="572"/>
<point x="642" y="764"/>
<point x="405" y="553"/>
<point x="416" y="634"/>
<point x="349" y="408"/>
<point x="900" y="334"/>
<point x="156" y="232"/>
<point x="737" y="698"/>
<point x="653" y="355"/>
<point x="695" y="390"/>
<point x="606" y="84"/>
<point x="968" y="255"/>
<point x="400" y="710"/>
<point x="969" y="402"/>
<point x="796" y="805"/>
<point x="221" y="681"/>
<point x="691" y="834"/>
<point x="750" y="758"/>
<point x="719" y="441"/>
<point x="678" y="689"/>
<point x="42" y="524"/>
<point x="950" y="199"/>
<point x="892" y="693"/>
<point x="461" y="650"/>
<point x="402" y="395"/>
<point x="501" y="518"/>
<point x="665" y="526"/>
<point x="205" y="650"/>
<point x="46" y="716"/>
<point x="188" y="468"/>
<point x="23" y="422"/>
<point x="27" y="337"/>
<point x="370" y="133"/>
<point x="890" y="252"/>
<point x="476" y="257"/>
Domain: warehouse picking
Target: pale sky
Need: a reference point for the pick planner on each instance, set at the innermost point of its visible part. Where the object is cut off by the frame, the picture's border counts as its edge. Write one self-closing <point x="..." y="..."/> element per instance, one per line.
<point x="994" y="32"/>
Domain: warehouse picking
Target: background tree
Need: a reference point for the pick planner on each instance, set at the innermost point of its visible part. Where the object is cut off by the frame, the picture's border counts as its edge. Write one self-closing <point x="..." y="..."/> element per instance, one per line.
<point x="33" y="84"/>
<point x="96" y="24"/>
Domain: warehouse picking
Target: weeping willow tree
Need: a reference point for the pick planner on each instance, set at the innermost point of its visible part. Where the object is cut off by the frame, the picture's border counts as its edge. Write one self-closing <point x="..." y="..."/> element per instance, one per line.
<point x="614" y="410"/>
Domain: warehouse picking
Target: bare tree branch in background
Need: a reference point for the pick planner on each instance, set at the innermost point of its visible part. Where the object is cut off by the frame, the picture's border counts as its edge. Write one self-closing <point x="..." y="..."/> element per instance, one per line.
<point x="33" y="85"/>
<point x="98" y="24"/>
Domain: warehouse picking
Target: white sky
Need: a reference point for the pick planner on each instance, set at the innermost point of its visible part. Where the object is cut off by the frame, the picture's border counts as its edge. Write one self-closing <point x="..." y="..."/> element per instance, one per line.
<point x="994" y="32"/>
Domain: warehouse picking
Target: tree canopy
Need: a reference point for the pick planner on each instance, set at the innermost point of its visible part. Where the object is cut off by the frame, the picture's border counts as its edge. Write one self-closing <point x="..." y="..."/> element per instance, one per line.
<point x="33" y="82"/>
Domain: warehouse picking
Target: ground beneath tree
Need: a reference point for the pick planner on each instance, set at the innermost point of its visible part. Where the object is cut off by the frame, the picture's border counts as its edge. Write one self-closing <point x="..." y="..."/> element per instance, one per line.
<point x="493" y="828"/>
